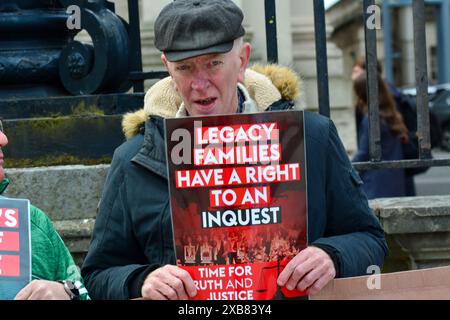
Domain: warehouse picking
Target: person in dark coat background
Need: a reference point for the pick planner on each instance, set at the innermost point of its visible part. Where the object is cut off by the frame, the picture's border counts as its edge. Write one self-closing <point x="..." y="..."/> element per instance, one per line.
<point x="407" y="109"/>
<point x="386" y="182"/>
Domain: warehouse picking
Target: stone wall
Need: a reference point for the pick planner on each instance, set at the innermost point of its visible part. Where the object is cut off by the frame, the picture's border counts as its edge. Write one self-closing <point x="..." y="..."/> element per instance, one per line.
<point x="417" y="229"/>
<point x="69" y="195"/>
<point x="420" y="226"/>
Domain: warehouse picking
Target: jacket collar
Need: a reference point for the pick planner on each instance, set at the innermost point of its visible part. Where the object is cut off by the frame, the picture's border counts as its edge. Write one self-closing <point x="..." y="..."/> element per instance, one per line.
<point x="152" y="154"/>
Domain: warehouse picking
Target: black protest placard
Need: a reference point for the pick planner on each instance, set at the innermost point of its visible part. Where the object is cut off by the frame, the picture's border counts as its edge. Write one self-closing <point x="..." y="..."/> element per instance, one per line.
<point x="238" y="201"/>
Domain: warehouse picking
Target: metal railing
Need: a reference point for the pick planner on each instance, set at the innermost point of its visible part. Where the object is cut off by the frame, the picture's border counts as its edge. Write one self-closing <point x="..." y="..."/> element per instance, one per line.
<point x="137" y="76"/>
<point x="423" y="120"/>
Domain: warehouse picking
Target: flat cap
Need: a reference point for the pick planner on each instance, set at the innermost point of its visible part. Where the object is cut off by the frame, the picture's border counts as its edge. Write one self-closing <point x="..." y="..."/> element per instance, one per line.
<point x="189" y="28"/>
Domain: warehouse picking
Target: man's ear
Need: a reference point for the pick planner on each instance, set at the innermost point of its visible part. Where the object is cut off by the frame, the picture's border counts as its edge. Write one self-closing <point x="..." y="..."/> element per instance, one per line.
<point x="165" y="61"/>
<point x="244" y="57"/>
<point x="166" y="64"/>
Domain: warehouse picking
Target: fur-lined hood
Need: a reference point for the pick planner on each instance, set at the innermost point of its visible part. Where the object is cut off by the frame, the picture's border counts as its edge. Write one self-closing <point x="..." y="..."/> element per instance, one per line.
<point x="265" y="84"/>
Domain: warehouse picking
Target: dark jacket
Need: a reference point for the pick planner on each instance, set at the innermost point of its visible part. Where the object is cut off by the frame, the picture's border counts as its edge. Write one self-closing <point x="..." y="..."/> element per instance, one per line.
<point x="386" y="182"/>
<point x="133" y="233"/>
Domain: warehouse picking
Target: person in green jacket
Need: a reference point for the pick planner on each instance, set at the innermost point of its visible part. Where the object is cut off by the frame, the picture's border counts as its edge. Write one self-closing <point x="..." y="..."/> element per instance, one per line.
<point x="54" y="273"/>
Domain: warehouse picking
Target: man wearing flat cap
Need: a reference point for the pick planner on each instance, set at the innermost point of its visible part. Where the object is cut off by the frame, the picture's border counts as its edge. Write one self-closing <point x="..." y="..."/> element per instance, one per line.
<point x="132" y="253"/>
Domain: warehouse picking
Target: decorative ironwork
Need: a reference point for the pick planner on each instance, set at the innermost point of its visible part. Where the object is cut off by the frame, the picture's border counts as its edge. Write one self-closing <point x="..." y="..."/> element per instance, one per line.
<point x="102" y="67"/>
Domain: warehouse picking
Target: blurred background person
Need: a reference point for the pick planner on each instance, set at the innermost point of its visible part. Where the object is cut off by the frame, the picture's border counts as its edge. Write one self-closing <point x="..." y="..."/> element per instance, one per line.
<point x="406" y="105"/>
<point x="394" y="134"/>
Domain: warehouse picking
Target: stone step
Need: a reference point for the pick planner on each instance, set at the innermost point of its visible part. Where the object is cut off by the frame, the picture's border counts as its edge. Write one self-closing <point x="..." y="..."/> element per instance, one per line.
<point x="64" y="193"/>
<point x="74" y="229"/>
<point x="76" y="234"/>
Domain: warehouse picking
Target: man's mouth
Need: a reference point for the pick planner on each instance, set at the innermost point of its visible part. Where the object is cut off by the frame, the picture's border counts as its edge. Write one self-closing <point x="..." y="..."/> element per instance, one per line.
<point x="205" y="102"/>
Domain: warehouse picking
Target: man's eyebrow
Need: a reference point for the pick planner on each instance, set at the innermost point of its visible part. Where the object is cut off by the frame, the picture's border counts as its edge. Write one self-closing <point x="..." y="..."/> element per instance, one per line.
<point x="215" y="56"/>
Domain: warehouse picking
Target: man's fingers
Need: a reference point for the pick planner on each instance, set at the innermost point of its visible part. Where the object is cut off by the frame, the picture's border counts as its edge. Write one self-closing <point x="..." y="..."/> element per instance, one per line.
<point x="171" y="282"/>
<point x="25" y="293"/>
<point x="166" y="290"/>
<point x="185" y="278"/>
<point x="156" y="295"/>
<point x="150" y="291"/>
<point x="38" y="295"/>
<point x="290" y="267"/>
<point x="320" y="284"/>
<point x="43" y="290"/>
<point x="35" y="291"/>
<point x="22" y="295"/>
<point x="311" y="269"/>
<point x="287" y="272"/>
<point x="328" y="275"/>
<point x="311" y="278"/>
<point x="175" y="283"/>
<point x="304" y="270"/>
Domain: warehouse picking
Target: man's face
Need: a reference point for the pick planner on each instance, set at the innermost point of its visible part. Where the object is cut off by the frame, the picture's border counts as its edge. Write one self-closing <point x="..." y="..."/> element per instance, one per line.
<point x="3" y="142"/>
<point x="208" y="84"/>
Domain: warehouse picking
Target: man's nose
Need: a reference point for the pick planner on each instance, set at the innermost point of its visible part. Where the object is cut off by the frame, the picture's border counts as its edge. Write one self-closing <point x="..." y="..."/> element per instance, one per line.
<point x="200" y="81"/>
<point x="3" y="139"/>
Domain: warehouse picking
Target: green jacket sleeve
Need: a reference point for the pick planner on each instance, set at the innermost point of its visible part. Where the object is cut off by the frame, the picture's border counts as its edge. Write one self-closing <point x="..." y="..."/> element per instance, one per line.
<point x="51" y="260"/>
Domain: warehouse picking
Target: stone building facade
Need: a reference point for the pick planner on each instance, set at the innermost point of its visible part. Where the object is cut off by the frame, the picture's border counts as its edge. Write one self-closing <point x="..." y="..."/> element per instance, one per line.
<point x="348" y="34"/>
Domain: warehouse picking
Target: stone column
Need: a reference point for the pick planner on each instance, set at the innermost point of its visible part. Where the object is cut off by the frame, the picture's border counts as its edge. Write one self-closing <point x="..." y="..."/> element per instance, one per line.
<point x="406" y="38"/>
<point x="254" y="20"/>
<point x="304" y="56"/>
<point x="122" y="9"/>
<point x="284" y="30"/>
<point x="249" y="8"/>
<point x="254" y="23"/>
<point x="151" y="57"/>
